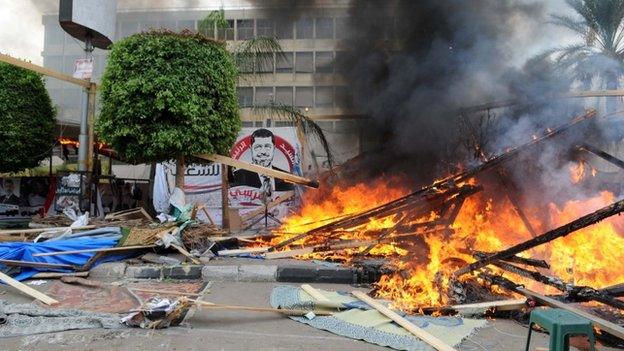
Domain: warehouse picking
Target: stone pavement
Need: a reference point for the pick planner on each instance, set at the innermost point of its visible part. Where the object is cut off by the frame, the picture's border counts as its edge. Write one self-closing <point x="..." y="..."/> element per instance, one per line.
<point x="233" y="330"/>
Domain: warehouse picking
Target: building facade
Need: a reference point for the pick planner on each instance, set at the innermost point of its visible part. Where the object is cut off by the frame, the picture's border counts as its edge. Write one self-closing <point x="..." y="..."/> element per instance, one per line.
<point x="305" y="76"/>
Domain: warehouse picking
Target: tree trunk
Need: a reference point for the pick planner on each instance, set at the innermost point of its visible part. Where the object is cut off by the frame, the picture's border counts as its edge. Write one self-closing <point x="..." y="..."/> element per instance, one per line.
<point x="180" y="171"/>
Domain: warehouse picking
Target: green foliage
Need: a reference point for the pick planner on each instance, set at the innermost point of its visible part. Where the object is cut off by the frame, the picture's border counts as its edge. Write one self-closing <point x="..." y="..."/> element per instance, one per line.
<point x="26" y="119"/>
<point x="167" y="94"/>
<point x="257" y="52"/>
<point x="214" y="19"/>
<point x="307" y="125"/>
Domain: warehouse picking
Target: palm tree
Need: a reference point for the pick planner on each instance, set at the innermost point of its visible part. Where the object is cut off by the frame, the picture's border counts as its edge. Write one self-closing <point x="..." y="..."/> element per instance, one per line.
<point x="600" y="54"/>
<point x="257" y="52"/>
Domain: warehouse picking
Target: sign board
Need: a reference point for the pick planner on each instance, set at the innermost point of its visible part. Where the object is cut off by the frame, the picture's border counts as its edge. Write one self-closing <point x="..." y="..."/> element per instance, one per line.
<point x="271" y="147"/>
<point x="23" y="197"/>
<point x="92" y="20"/>
<point x="69" y="192"/>
<point x="83" y="68"/>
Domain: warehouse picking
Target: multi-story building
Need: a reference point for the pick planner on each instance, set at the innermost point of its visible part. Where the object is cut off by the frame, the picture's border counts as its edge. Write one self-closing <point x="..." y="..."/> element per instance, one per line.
<point x="305" y="76"/>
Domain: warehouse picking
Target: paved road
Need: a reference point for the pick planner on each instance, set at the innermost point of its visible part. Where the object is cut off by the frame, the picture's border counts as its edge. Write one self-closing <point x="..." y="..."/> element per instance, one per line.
<point x="230" y="330"/>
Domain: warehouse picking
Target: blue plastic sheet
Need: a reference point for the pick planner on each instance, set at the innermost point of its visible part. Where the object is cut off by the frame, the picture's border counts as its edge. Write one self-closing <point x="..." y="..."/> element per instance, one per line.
<point x="25" y="251"/>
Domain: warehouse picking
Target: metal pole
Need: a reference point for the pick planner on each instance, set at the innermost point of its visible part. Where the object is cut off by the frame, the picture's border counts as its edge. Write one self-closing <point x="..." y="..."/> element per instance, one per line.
<point x="83" y="138"/>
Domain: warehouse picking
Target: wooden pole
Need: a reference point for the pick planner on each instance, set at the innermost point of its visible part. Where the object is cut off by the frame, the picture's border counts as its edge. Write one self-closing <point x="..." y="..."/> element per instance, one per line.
<point x="27" y="290"/>
<point x="559" y="232"/>
<point x="225" y="201"/>
<point x="409" y="326"/>
<point x="260" y="170"/>
<point x="288" y="312"/>
<point x="45" y="71"/>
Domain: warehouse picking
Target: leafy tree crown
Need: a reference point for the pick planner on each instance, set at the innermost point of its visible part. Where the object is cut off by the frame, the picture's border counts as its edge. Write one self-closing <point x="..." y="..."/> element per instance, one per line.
<point x="167" y="94"/>
<point x="26" y="117"/>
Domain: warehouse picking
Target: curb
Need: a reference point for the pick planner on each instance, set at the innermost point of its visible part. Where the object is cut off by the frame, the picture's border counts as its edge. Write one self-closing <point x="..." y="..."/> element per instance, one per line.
<point x="238" y="273"/>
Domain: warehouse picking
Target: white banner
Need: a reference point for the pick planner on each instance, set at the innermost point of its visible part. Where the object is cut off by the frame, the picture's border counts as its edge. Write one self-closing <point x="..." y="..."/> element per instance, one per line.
<point x="277" y="148"/>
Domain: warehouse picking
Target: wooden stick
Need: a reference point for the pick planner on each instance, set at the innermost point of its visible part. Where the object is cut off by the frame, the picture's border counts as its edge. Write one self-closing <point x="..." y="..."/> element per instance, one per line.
<point x="289" y="312"/>
<point x="186" y="254"/>
<point x="45" y="71"/>
<point x="260" y="170"/>
<point x="602" y="324"/>
<point x="410" y="327"/>
<point x="314" y="293"/>
<point x="108" y="249"/>
<point x="41" y="230"/>
<point x="57" y="275"/>
<point x="27" y="290"/>
<point x="165" y="292"/>
<point x="561" y="231"/>
<point x="288" y="253"/>
<point x="607" y="157"/>
<point x="237" y="252"/>
<point x="36" y="264"/>
<point x="260" y="210"/>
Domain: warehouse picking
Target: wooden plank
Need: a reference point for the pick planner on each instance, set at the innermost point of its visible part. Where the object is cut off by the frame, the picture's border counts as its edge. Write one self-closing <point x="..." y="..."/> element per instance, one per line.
<point x="41" y="230"/>
<point x="108" y="249"/>
<point x="33" y="264"/>
<point x="416" y="331"/>
<point x="288" y="312"/>
<point x="27" y="290"/>
<point x="314" y="293"/>
<point x="260" y="170"/>
<point x="186" y="254"/>
<point x="598" y="322"/>
<point x="45" y="71"/>
<point x="503" y="305"/>
<point x="237" y="252"/>
<point x="288" y="253"/>
<point x="56" y="275"/>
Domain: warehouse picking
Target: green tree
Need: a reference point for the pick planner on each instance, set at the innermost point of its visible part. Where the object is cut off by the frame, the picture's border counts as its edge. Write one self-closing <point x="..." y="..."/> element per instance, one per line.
<point x="26" y="119"/>
<point x="600" y="54"/>
<point x="169" y="95"/>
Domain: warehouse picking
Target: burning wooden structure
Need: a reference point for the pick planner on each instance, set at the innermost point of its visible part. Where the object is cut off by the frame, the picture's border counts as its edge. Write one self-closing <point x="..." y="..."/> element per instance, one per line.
<point x="425" y="224"/>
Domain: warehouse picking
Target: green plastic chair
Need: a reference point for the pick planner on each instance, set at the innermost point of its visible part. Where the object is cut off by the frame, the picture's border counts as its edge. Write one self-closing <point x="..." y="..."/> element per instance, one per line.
<point x="560" y="324"/>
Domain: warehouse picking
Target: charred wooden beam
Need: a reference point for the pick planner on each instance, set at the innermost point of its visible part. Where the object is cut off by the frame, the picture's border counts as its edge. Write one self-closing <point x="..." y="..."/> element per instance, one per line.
<point x="598" y="322"/>
<point x="571" y="291"/>
<point x="616" y="290"/>
<point x="559" y="232"/>
<point x="517" y="259"/>
<point x="607" y="157"/>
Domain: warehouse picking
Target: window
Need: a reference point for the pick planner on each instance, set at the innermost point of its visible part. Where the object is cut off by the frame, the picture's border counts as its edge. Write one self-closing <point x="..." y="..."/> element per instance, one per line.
<point x="284" y="63"/>
<point x="324" y="62"/>
<point x="304" y="97"/>
<point x="324" y="28"/>
<point x="245" y="97"/>
<point x="284" y="95"/>
<point x="128" y="28"/>
<point x="340" y="62"/>
<point x="245" y="29"/>
<point x="53" y="62"/>
<point x="344" y="98"/>
<point x="171" y="25"/>
<point x="190" y="25"/>
<point x="264" y="95"/>
<point x="206" y="28"/>
<point x="248" y="124"/>
<point x="245" y="63"/>
<point x="54" y="35"/>
<point x="324" y="97"/>
<point x="303" y="63"/>
<point x="228" y="32"/>
<point x="284" y="29"/>
<point x="341" y="28"/>
<point x="265" y="63"/>
<point x="265" y="28"/>
<point x="305" y="28"/>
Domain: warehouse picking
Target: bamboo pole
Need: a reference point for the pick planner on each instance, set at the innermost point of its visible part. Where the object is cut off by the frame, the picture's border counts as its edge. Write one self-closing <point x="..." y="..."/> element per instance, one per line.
<point x="45" y="71"/>
<point x="288" y="312"/>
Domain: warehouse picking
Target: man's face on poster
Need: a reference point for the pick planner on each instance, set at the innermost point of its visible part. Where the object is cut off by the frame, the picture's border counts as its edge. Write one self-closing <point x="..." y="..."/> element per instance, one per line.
<point x="262" y="151"/>
<point x="8" y="187"/>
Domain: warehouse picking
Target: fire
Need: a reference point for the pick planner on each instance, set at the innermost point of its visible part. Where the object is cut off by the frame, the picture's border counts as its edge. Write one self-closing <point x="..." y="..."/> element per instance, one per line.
<point x="578" y="171"/>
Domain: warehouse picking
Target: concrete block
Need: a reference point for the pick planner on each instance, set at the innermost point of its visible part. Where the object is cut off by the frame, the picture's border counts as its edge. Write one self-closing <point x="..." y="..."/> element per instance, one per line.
<point x="257" y="273"/>
<point x="219" y="273"/>
<point x="182" y="272"/>
<point x="110" y="270"/>
<point x="143" y="272"/>
<point x="296" y="274"/>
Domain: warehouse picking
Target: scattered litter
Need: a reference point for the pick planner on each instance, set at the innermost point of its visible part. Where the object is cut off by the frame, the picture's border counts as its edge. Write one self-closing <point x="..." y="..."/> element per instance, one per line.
<point x="158" y="313"/>
<point x="36" y="282"/>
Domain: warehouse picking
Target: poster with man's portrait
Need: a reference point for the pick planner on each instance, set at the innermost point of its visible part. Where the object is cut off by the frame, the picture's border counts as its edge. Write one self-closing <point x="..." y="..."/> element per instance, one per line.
<point x="276" y="148"/>
<point x="22" y="198"/>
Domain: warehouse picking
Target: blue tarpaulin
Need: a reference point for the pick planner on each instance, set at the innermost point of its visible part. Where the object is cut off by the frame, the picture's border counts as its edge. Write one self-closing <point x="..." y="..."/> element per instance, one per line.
<point x="24" y="252"/>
